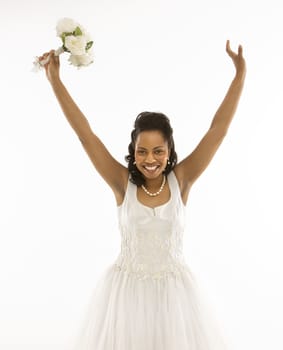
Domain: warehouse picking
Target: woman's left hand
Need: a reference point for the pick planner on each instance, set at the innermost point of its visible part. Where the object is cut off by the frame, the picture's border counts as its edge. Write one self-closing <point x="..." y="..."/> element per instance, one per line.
<point x="238" y="59"/>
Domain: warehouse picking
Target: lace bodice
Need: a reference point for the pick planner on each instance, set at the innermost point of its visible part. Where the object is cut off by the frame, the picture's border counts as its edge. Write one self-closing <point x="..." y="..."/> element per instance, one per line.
<point x="152" y="238"/>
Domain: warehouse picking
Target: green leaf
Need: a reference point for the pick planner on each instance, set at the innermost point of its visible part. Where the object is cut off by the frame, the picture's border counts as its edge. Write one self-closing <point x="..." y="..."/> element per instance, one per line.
<point x="77" y="31"/>
<point x="65" y="49"/>
<point x="89" y="45"/>
<point x="63" y="36"/>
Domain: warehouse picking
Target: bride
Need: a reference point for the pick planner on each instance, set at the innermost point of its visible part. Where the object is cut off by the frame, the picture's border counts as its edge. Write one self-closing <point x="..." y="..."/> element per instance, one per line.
<point x="148" y="299"/>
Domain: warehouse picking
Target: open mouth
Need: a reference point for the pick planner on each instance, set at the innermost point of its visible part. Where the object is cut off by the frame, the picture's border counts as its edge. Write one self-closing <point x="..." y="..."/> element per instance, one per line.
<point x="152" y="168"/>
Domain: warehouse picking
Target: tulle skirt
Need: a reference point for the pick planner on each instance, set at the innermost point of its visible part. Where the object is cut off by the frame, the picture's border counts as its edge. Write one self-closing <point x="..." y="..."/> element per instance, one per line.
<point x="126" y="313"/>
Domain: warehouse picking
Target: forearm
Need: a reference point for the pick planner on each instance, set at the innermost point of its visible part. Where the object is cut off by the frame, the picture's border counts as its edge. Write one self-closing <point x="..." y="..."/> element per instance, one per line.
<point x="227" y="109"/>
<point x="75" y="117"/>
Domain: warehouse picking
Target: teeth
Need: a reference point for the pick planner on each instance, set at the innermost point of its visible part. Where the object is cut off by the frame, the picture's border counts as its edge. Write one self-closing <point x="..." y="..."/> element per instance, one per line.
<point x="151" y="167"/>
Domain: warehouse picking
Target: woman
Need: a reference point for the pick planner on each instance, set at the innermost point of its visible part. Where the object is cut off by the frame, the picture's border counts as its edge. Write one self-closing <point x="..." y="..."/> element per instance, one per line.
<point x="148" y="298"/>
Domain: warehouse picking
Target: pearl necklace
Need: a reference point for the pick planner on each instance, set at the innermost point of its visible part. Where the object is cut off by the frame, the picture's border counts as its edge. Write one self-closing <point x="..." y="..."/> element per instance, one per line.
<point x="155" y="193"/>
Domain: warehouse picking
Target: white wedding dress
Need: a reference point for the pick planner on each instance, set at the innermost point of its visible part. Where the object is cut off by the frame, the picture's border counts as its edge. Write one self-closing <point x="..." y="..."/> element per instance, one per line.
<point x="148" y="299"/>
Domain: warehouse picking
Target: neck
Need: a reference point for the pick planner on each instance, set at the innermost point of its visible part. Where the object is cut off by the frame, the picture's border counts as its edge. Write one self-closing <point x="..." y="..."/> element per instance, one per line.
<point x="154" y="184"/>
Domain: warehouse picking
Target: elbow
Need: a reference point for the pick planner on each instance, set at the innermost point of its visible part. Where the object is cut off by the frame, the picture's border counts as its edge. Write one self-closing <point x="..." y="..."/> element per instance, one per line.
<point x="85" y="135"/>
<point x="224" y="132"/>
<point x="81" y="140"/>
<point x="219" y="131"/>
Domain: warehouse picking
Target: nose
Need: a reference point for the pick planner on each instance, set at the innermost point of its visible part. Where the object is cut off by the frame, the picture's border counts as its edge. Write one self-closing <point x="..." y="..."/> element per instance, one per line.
<point x="150" y="158"/>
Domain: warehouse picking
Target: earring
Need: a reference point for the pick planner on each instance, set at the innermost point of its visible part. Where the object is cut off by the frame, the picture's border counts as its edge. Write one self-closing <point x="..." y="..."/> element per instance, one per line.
<point x="168" y="161"/>
<point x="134" y="163"/>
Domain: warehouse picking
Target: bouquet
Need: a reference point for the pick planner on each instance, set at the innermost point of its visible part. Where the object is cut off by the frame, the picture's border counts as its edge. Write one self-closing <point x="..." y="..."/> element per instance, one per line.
<point x="75" y="40"/>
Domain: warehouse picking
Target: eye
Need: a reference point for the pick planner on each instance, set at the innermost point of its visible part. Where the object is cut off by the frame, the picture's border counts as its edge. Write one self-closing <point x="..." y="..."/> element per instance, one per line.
<point x="159" y="151"/>
<point x="141" y="151"/>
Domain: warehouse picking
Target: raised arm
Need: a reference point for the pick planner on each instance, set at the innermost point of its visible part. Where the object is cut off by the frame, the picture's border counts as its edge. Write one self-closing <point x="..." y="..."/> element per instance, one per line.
<point x="114" y="173"/>
<point x="189" y="169"/>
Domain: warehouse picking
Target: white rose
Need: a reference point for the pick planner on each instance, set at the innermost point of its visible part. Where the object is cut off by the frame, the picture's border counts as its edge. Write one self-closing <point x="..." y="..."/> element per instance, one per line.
<point x="76" y="44"/>
<point x="81" y="60"/>
<point x="66" y="25"/>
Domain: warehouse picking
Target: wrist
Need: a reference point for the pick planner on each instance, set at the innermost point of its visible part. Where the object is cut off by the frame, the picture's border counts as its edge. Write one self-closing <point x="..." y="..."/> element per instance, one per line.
<point x="240" y="74"/>
<point x="54" y="80"/>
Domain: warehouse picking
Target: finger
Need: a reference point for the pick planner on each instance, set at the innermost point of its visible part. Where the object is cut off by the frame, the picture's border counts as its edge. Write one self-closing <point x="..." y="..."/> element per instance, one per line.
<point x="228" y="49"/>
<point x="51" y="53"/>
<point x="54" y="58"/>
<point x="228" y="45"/>
<point x="42" y="56"/>
<point x="240" y="50"/>
<point x="50" y="57"/>
<point x="46" y="54"/>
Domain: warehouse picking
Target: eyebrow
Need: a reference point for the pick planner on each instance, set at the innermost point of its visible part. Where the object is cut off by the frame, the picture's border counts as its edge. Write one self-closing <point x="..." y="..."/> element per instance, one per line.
<point x="140" y="147"/>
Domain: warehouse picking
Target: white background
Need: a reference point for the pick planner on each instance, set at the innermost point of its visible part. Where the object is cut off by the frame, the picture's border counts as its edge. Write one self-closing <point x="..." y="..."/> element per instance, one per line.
<point x="58" y="218"/>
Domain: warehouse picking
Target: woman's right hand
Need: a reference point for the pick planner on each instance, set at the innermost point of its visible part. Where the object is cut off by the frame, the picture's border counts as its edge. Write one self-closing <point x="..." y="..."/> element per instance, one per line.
<point x="52" y="66"/>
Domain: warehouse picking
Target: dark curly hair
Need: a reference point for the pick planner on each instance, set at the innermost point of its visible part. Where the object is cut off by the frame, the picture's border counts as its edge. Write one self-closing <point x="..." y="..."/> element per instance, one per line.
<point x="146" y="121"/>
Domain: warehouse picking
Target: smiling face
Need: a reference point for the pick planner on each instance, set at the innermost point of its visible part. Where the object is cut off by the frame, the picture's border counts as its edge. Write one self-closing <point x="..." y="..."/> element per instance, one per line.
<point x="151" y="153"/>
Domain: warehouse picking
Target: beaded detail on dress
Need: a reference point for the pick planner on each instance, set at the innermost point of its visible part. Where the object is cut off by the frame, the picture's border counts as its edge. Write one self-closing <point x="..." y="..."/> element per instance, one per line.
<point x="152" y="238"/>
